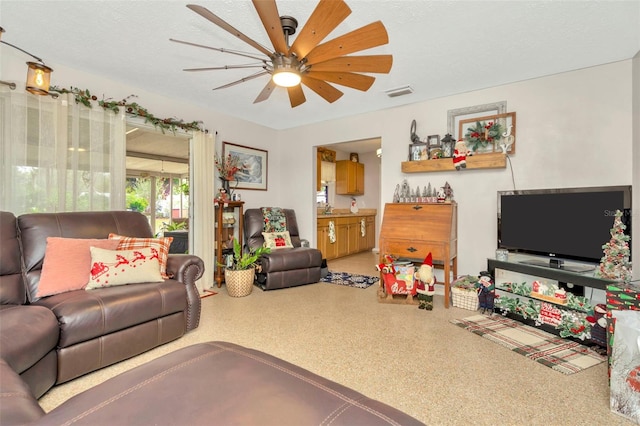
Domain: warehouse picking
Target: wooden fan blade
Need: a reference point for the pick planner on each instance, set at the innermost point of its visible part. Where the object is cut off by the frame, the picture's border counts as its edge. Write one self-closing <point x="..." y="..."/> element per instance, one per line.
<point x="266" y="92"/>
<point x="296" y="96"/>
<point x="224" y="67"/>
<point x="366" y="37"/>
<point x="268" y="12"/>
<point x="207" y="14"/>
<point x="372" y="63"/>
<point x="349" y="79"/>
<point x="217" y="49"/>
<point x="322" y="88"/>
<point x="327" y="15"/>
<point x="242" y="80"/>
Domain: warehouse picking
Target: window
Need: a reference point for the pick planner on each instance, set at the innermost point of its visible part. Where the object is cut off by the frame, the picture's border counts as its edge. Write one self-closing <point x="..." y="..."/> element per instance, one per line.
<point x="322" y="196"/>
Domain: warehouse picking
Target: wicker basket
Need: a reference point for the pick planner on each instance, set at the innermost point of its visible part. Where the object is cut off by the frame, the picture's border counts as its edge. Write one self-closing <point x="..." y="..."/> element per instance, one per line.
<point x="239" y="283"/>
<point x="465" y="299"/>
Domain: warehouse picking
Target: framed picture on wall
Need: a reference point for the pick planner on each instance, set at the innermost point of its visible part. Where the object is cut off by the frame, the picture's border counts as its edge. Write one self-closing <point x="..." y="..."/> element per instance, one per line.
<point x="418" y="151"/>
<point x="252" y="163"/>
<point x="454" y="116"/>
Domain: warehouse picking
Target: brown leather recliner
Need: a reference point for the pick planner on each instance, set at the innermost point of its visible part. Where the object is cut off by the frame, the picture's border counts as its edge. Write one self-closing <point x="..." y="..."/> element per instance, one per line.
<point x="286" y="267"/>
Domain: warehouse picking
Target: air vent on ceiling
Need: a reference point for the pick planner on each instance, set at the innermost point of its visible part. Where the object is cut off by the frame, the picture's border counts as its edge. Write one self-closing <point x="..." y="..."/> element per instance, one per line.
<point x="399" y="91"/>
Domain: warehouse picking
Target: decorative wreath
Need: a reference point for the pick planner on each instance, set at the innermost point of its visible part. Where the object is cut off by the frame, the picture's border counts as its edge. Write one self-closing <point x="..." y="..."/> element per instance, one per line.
<point x="482" y="134"/>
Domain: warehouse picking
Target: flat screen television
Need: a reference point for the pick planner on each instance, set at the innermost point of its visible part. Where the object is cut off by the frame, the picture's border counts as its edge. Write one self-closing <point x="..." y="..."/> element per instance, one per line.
<point x="559" y="224"/>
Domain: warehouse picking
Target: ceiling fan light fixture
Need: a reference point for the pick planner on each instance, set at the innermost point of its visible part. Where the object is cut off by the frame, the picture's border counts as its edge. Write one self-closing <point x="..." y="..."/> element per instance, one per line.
<point x="286" y="71"/>
<point x="286" y="78"/>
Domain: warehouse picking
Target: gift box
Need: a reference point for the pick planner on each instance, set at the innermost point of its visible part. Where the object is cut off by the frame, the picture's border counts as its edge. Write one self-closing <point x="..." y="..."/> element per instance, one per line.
<point x="625" y="365"/>
<point x="620" y="297"/>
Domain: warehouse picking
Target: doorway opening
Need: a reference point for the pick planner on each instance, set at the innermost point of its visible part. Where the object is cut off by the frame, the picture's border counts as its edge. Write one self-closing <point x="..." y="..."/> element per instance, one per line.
<point x="158" y="177"/>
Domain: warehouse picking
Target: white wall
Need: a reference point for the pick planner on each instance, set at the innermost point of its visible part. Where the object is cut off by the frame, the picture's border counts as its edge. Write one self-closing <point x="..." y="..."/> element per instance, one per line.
<point x="573" y="129"/>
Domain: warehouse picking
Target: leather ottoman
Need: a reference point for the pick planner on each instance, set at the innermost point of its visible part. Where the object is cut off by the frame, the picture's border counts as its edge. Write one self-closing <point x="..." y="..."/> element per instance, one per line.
<point x="223" y="383"/>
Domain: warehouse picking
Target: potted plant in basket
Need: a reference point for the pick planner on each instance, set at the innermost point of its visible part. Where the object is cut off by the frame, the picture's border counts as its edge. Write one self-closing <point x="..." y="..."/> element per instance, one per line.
<point x="240" y="274"/>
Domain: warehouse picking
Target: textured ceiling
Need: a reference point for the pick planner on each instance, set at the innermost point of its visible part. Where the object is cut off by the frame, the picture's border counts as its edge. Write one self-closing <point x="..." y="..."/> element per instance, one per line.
<point x="440" y="48"/>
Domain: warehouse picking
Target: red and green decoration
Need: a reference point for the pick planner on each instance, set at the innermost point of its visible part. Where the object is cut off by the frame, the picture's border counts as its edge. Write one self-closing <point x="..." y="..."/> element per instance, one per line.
<point x="615" y="264"/>
<point x="85" y="98"/>
<point x="483" y="134"/>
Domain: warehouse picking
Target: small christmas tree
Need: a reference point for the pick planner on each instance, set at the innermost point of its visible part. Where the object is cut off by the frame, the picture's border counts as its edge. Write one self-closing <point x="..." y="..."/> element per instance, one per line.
<point x="615" y="265"/>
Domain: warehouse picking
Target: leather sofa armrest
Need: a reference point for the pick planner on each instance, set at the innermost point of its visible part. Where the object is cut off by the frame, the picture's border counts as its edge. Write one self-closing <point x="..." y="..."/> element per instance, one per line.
<point x="19" y="407"/>
<point x="188" y="269"/>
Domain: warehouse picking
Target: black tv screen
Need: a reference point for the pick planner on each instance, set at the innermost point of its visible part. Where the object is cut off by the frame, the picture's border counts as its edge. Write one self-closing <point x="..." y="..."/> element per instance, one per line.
<point x="569" y="223"/>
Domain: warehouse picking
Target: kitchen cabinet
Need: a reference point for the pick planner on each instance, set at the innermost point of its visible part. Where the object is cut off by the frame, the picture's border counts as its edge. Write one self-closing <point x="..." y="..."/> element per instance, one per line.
<point x="348" y="235"/>
<point x="329" y="250"/>
<point x="349" y="178"/>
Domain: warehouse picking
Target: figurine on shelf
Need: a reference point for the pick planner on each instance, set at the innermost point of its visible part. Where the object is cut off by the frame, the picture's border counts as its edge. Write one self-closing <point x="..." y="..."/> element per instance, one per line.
<point x="448" y="193"/>
<point x="396" y="194"/>
<point x="223" y="197"/>
<point x="460" y="155"/>
<point x="441" y="195"/>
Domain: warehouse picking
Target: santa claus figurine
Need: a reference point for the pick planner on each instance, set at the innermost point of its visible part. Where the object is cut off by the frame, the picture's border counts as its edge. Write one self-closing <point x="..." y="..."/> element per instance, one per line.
<point x="460" y="153"/>
<point x="425" y="283"/>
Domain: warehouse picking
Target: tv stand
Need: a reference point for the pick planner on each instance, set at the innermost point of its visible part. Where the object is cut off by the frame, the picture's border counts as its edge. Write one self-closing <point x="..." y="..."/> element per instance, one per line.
<point x="567" y="317"/>
<point x="559" y="264"/>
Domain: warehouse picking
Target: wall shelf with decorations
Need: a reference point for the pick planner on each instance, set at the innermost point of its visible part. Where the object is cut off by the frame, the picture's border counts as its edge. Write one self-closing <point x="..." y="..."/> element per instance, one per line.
<point x="494" y="160"/>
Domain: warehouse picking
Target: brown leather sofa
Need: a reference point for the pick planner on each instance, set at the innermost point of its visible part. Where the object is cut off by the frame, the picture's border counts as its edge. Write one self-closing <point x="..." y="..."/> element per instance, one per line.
<point x="209" y="383"/>
<point x="285" y="267"/>
<point x="57" y="338"/>
<point x="206" y="383"/>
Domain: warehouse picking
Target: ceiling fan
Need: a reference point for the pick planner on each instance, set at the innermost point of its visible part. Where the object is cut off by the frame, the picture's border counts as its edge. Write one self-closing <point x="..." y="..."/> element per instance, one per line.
<point x="306" y="61"/>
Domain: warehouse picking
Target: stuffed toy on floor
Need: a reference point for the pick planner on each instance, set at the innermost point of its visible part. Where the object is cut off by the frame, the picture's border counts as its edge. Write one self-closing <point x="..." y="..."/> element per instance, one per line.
<point x="425" y="284"/>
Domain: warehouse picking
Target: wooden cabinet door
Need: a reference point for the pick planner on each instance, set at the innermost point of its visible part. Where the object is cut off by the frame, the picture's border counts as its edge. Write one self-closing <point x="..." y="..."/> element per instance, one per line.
<point x="342" y="236"/>
<point x="349" y="178"/>
<point x="331" y="248"/>
<point x="359" y="183"/>
<point x="354" y="235"/>
<point x="371" y="232"/>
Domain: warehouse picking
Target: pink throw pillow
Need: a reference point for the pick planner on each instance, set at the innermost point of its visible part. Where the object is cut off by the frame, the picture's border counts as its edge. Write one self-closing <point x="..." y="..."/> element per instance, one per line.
<point x="67" y="264"/>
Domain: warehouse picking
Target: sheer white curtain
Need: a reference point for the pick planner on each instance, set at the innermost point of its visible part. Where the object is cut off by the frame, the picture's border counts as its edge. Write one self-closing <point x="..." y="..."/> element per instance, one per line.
<point x="201" y="182"/>
<point x="59" y="156"/>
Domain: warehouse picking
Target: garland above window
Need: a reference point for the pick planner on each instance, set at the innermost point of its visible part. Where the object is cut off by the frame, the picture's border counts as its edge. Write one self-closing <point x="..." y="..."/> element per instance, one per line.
<point x="85" y="98"/>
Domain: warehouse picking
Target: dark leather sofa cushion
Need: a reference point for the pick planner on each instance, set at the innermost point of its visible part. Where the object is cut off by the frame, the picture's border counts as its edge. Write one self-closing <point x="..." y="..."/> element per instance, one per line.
<point x="87" y="314"/>
<point x="290" y="259"/>
<point x="251" y="388"/>
<point x="27" y="334"/>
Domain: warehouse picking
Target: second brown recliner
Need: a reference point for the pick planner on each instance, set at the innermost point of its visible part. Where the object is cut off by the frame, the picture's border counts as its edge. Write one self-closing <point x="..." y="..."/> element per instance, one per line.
<point x="285" y="267"/>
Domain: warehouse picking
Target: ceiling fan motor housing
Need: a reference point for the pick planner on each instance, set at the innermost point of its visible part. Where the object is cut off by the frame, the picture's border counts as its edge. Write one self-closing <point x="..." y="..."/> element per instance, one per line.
<point x="289" y="24"/>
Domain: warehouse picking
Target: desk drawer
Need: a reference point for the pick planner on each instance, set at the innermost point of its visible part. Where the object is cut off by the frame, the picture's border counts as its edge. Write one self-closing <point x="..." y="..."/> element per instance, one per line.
<point x="415" y="249"/>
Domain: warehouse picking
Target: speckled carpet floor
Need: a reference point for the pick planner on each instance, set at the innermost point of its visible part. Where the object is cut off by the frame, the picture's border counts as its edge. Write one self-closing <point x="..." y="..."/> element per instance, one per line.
<point x="412" y="359"/>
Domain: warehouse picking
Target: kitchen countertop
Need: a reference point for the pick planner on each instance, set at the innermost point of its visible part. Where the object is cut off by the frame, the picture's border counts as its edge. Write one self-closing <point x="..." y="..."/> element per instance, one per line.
<point x="346" y="213"/>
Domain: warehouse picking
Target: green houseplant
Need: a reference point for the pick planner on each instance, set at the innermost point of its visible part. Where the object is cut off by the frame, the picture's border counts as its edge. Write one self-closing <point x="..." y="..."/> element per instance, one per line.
<point x="240" y="274"/>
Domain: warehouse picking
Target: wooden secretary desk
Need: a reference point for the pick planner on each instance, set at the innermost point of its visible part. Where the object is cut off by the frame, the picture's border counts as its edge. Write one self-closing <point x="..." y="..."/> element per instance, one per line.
<point x="412" y="230"/>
